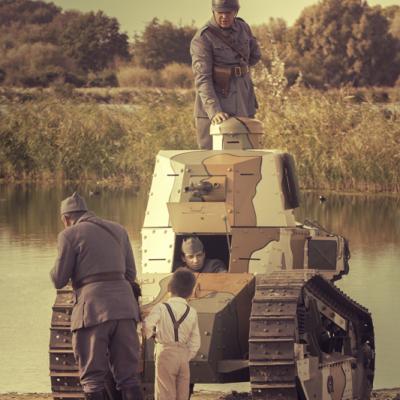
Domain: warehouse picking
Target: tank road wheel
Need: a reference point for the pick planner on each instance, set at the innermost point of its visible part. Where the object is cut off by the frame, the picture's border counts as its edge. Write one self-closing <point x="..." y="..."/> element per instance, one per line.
<point x="308" y="340"/>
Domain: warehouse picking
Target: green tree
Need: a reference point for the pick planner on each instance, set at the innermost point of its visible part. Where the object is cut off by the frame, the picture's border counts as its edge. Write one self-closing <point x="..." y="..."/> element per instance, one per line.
<point x="36" y="64"/>
<point x="93" y="40"/>
<point x="340" y="42"/>
<point x="163" y="43"/>
<point x="27" y="12"/>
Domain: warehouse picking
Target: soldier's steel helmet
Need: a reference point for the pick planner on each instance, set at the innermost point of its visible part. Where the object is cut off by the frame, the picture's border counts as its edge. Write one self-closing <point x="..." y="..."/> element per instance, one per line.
<point x="225" y="5"/>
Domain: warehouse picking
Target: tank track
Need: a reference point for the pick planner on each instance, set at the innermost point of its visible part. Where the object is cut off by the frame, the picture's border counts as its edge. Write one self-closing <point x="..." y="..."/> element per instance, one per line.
<point x="278" y="318"/>
<point x="64" y="374"/>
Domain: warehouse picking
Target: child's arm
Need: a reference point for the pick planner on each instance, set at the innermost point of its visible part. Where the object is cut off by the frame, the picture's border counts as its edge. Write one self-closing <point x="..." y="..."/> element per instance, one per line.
<point x="194" y="341"/>
<point x="151" y="321"/>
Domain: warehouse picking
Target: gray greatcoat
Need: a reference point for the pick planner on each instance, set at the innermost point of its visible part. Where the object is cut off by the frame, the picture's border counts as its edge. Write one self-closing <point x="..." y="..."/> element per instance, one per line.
<point x="104" y="315"/>
<point x="86" y="249"/>
<point x="208" y="50"/>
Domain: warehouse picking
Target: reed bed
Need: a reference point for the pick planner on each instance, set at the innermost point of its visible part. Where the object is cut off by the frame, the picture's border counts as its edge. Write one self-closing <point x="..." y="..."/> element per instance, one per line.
<point x="337" y="143"/>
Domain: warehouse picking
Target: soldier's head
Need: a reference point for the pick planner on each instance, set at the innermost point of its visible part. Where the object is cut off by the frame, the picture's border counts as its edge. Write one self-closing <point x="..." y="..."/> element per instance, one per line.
<point x="193" y="254"/>
<point x="225" y="12"/>
<point x="182" y="283"/>
<point x="72" y="208"/>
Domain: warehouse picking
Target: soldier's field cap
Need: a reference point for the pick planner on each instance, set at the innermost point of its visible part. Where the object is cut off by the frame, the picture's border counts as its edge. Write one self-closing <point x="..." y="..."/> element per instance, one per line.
<point x="73" y="203"/>
<point x="225" y="5"/>
<point x="192" y="245"/>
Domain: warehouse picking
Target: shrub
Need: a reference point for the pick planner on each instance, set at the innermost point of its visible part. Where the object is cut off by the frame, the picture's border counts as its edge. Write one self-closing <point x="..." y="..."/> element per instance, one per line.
<point x="132" y="76"/>
<point x="177" y="75"/>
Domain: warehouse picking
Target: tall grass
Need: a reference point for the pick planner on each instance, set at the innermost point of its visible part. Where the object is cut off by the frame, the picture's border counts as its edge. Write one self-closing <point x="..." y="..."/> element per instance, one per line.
<point x="338" y="141"/>
<point x="337" y="144"/>
<point x="57" y="137"/>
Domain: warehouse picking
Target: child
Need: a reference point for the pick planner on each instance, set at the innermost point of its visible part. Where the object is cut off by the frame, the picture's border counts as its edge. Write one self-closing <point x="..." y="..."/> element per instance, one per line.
<point x="177" y="338"/>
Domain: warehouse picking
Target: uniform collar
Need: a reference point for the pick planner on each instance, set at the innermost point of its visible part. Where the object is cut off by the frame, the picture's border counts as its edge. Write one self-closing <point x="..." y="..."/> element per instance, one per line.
<point x="86" y="216"/>
<point x="177" y="300"/>
<point x="234" y="27"/>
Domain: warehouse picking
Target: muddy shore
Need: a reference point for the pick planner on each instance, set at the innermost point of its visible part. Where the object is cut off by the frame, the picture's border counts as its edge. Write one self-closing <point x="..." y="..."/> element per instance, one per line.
<point x="382" y="394"/>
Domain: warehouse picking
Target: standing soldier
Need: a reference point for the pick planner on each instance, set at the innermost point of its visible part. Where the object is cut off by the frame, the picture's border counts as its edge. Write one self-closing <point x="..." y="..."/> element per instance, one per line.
<point x="222" y="52"/>
<point x="97" y="256"/>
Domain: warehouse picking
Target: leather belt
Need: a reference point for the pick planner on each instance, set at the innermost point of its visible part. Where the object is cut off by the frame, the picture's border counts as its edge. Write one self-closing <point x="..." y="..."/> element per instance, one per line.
<point x="239" y="70"/>
<point x="101" y="277"/>
<point x="235" y="70"/>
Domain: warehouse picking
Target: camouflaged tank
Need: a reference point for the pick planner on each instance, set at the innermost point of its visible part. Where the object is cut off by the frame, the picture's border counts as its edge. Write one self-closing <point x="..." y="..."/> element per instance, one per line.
<point x="276" y="318"/>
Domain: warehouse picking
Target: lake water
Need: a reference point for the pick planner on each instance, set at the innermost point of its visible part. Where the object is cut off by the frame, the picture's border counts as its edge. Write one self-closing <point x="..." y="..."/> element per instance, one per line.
<point x="29" y="223"/>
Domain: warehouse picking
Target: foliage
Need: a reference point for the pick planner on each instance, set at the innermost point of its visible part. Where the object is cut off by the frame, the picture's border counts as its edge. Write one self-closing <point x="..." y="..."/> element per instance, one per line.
<point x="171" y="76"/>
<point x="27" y="12"/>
<point x="177" y="75"/>
<point x="94" y="41"/>
<point x="338" y="143"/>
<point x="344" y="41"/>
<point x="35" y="64"/>
<point x="40" y="45"/>
<point x="133" y="76"/>
<point x="273" y="37"/>
<point x="55" y="135"/>
<point x="161" y="44"/>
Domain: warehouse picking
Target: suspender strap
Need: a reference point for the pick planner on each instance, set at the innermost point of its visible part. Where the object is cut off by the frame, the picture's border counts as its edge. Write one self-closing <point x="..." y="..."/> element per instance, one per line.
<point x="174" y="321"/>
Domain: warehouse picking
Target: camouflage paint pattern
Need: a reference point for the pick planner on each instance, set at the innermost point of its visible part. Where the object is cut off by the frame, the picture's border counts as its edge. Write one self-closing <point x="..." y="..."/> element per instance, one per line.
<point x="241" y="193"/>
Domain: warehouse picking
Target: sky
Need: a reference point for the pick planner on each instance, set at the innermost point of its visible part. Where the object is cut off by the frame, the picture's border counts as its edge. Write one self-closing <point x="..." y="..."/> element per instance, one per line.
<point x="133" y="15"/>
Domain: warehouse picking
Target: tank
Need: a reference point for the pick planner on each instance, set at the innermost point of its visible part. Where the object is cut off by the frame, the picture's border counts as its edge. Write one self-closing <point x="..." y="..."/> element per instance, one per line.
<point x="275" y="318"/>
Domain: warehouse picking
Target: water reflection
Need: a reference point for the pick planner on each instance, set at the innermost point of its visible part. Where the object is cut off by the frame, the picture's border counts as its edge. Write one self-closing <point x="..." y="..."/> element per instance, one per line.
<point x="31" y="212"/>
<point x="29" y="224"/>
<point x="367" y="221"/>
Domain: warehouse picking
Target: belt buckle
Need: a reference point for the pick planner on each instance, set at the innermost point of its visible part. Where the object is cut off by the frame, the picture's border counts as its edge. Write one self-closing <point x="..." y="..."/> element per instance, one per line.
<point x="238" y="71"/>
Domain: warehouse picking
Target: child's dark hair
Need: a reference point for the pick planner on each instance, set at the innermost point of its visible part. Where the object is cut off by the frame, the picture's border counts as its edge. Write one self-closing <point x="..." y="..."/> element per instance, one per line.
<point x="182" y="283"/>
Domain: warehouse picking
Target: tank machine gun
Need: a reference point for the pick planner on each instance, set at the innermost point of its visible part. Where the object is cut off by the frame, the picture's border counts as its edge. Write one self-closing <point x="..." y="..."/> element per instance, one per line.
<point x="276" y="318"/>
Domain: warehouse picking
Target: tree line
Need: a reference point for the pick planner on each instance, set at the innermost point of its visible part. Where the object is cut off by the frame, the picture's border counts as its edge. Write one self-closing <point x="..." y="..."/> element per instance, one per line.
<point x="332" y="43"/>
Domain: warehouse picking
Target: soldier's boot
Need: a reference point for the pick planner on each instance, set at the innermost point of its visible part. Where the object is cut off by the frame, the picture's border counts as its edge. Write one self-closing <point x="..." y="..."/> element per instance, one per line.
<point x="132" y="393"/>
<point x="95" y="396"/>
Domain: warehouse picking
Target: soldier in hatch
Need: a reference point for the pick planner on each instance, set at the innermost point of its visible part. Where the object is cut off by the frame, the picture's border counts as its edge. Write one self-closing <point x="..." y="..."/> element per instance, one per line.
<point x="222" y="52"/>
<point x="194" y="257"/>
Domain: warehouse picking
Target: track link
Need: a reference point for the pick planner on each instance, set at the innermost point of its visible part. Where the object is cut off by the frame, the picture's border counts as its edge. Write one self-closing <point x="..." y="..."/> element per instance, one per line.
<point x="277" y="320"/>
<point x="63" y="367"/>
<point x="271" y="340"/>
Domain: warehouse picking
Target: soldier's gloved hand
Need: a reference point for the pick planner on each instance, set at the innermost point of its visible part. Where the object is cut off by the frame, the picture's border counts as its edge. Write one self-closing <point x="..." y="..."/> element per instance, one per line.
<point x="219" y="117"/>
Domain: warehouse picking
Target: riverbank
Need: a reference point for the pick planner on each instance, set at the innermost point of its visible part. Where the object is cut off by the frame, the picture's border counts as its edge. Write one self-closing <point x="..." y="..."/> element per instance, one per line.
<point x="381" y="394"/>
<point x="338" y="144"/>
